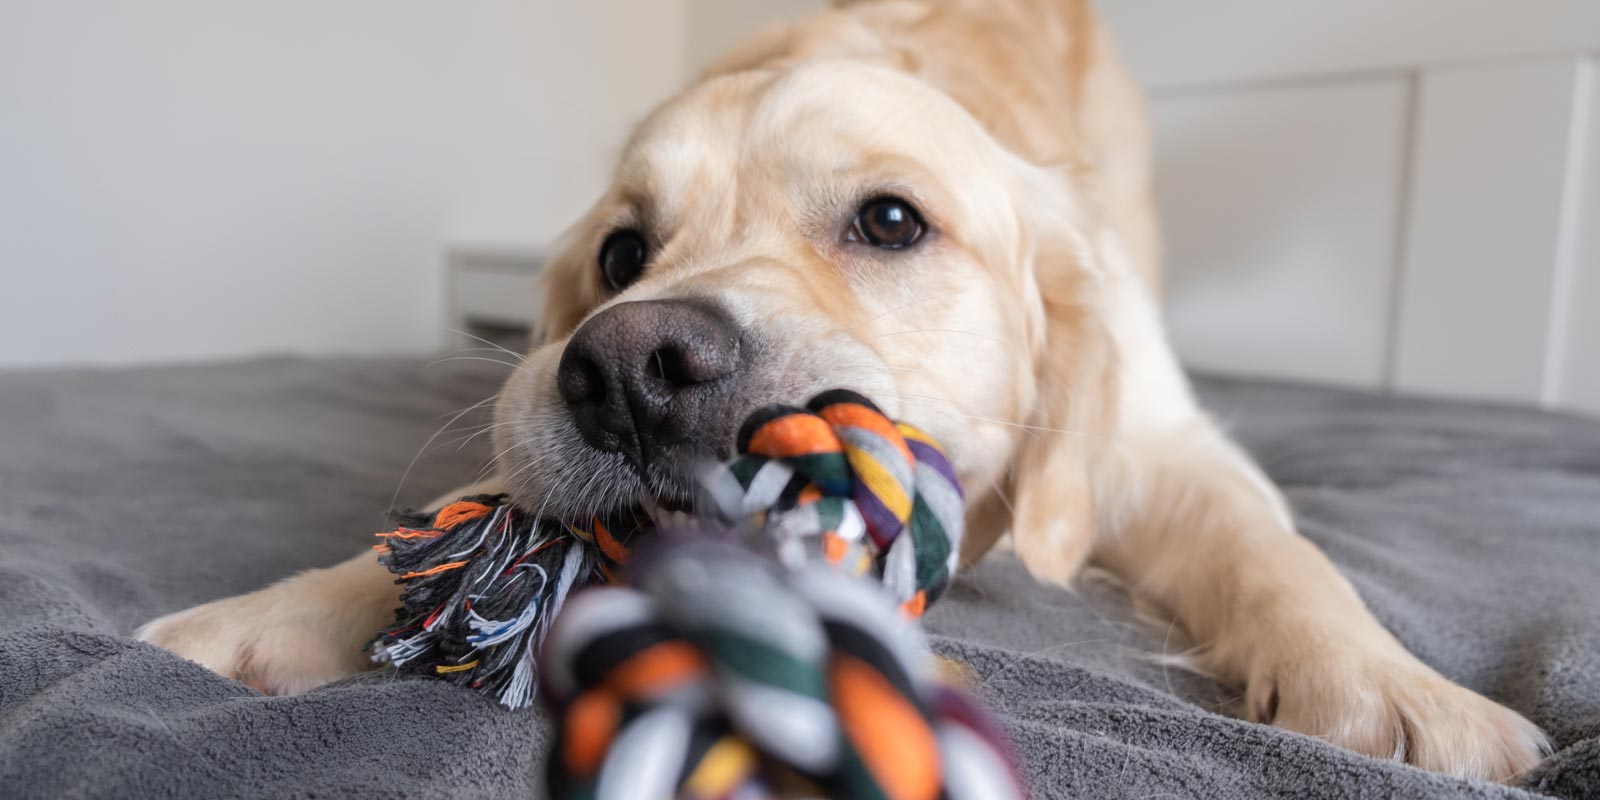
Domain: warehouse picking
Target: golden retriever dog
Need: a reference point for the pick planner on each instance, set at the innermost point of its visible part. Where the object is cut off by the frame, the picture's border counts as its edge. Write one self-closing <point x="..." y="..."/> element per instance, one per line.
<point x="944" y="205"/>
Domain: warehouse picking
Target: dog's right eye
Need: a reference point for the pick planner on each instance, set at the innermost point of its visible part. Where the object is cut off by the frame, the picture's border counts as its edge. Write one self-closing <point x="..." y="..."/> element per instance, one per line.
<point x="622" y="257"/>
<point x="888" y="223"/>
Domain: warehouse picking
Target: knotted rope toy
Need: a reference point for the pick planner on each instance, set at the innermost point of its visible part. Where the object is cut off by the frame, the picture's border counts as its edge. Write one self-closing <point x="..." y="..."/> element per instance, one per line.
<point x="483" y="581"/>
<point x="715" y="672"/>
<point x="841" y="480"/>
<point x="773" y="671"/>
<point x="837" y="479"/>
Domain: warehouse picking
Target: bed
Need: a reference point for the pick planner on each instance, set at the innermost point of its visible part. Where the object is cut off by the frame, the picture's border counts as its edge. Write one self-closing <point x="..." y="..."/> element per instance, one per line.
<point x="1473" y="531"/>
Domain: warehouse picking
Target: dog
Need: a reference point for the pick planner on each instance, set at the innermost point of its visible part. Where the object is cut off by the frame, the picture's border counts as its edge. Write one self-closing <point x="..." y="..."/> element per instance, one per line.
<point x="944" y="205"/>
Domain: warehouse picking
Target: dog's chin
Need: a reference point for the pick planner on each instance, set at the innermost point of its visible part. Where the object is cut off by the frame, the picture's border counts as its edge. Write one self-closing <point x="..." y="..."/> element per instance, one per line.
<point x="672" y="485"/>
<point x="591" y="483"/>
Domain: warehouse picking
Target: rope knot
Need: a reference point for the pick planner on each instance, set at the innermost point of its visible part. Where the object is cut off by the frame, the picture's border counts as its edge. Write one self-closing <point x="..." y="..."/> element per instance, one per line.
<point x="717" y="673"/>
<point x="840" y="480"/>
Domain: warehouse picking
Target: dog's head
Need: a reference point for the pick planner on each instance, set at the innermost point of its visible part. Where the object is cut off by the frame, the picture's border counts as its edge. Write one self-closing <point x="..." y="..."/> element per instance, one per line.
<point x="771" y="234"/>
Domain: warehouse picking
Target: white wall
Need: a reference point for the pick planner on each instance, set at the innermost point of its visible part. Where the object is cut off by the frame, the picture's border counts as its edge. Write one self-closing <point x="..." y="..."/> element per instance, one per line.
<point x="185" y="179"/>
<point x="713" y="26"/>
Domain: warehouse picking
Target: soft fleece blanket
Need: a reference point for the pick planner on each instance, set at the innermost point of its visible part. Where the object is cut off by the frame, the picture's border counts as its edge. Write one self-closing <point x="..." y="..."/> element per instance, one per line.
<point x="1472" y="531"/>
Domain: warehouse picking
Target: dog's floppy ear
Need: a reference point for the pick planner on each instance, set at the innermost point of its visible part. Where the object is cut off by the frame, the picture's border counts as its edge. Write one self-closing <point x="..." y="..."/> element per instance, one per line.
<point x="1074" y="370"/>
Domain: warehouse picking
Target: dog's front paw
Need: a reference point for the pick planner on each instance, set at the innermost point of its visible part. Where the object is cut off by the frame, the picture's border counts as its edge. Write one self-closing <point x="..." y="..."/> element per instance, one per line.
<point x="1397" y="707"/>
<point x="279" y="640"/>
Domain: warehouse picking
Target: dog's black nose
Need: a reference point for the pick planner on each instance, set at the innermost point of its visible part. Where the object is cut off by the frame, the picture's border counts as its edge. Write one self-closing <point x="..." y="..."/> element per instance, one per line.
<point x="645" y="376"/>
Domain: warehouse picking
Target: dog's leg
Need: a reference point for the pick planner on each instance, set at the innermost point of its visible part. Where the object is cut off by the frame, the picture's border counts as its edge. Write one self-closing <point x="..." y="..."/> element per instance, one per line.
<point x="1193" y="526"/>
<point x="296" y="634"/>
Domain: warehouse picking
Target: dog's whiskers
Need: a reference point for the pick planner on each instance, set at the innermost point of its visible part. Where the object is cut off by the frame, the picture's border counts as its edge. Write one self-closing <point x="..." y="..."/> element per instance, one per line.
<point x="465" y="439"/>
<point x="438" y="361"/>
<point x="518" y="356"/>
<point x="429" y="443"/>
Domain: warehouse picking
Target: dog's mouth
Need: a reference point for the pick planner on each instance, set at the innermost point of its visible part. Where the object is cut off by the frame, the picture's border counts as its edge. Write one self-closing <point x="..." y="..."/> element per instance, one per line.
<point x="668" y="512"/>
<point x="622" y="493"/>
<point x="650" y="511"/>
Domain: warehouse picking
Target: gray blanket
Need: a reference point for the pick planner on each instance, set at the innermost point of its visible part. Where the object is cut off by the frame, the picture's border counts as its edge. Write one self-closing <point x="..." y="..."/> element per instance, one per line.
<point x="1473" y="532"/>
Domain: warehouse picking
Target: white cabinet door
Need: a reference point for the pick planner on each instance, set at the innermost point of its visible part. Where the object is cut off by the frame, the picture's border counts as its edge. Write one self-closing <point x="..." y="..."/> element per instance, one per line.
<point x="1576" y="378"/>
<point x="1481" y="262"/>
<point x="1279" y="209"/>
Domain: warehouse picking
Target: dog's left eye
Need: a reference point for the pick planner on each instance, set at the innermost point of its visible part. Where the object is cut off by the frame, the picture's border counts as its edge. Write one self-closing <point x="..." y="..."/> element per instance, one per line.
<point x="622" y="258"/>
<point x="887" y="222"/>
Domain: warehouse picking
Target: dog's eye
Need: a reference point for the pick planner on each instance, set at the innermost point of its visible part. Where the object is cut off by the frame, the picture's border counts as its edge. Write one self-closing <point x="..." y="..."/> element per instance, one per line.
<point x="887" y="222"/>
<point x="622" y="258"/>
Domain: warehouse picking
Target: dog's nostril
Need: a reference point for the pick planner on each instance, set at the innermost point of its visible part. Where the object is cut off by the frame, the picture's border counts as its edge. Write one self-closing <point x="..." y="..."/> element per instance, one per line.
<point x="672" y="366"/>
<point x="580" y="383"/>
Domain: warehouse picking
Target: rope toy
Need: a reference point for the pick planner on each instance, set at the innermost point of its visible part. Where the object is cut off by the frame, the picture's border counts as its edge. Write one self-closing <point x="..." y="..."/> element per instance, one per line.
<point x="483" y="581"/>
<point x="838" y="480"/>
<point x="739" y="654"/>
<point x="715" y="672"/>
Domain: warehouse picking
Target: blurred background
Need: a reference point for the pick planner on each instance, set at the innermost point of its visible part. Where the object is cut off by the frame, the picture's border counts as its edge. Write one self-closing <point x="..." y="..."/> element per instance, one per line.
<point x="1391" y="195"/>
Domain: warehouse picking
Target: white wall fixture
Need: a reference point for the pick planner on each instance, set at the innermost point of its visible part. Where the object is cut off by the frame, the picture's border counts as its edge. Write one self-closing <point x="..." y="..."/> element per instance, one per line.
<point x="1576" y="376"/>
<point x="1491" y="286"/>
<point x="1244" y="262"/>
<point x="1482" y="258"/>
<point x="492" y="292"/>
